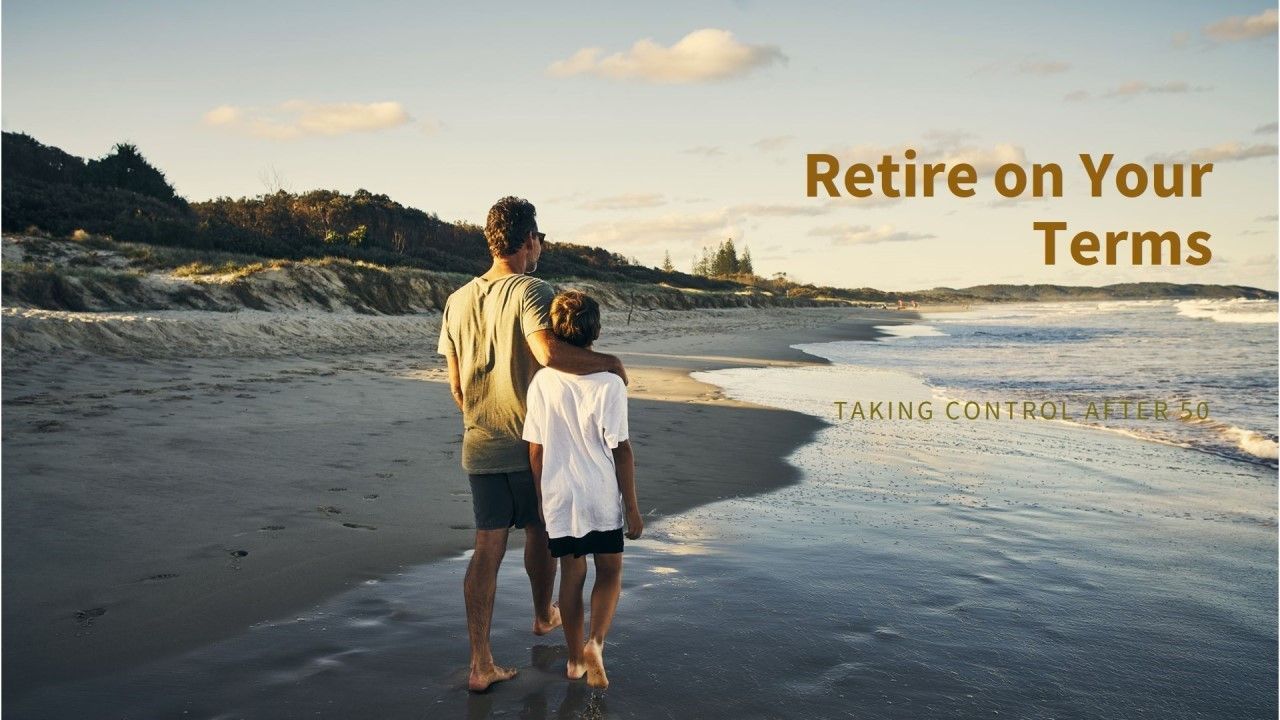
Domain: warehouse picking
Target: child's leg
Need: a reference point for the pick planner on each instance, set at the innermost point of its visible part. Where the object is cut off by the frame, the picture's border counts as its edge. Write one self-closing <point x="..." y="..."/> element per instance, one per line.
<point x="604" y="600"/>
<point x="573" y="573"/>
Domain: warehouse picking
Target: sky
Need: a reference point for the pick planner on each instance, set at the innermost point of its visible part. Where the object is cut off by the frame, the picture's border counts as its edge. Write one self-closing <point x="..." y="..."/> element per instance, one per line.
<point x="654" y="128"/>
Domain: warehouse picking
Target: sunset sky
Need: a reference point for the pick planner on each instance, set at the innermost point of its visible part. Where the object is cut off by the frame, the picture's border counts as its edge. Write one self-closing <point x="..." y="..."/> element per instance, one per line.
<point x="651" y="128"/>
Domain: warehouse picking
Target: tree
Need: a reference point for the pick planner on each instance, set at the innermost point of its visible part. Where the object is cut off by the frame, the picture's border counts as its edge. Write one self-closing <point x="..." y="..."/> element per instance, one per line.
<point x="725" y="261"/>
<point x="125" y="168"/>
<point x="744" y="265"/>
<point x="666" y="262"/>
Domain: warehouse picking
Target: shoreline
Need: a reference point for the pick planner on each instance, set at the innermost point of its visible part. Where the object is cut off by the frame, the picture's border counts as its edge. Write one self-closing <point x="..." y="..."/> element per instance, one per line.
<point x="135" y="485"/>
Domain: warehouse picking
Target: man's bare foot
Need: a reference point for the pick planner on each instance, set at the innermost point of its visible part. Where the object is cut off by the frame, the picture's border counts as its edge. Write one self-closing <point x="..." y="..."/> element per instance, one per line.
<point x="575" y="670"/>
<point x="542" y="628"/>
<point x="481" y="680"/>
<point x="593" y="656"/>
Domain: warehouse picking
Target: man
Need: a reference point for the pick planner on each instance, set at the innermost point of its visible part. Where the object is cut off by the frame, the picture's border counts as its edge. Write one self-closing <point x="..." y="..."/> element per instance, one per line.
<point x="495" y="334"/>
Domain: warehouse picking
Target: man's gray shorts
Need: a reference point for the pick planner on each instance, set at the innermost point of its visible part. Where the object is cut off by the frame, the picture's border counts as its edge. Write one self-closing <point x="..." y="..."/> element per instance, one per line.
<point x="501" y="500"/>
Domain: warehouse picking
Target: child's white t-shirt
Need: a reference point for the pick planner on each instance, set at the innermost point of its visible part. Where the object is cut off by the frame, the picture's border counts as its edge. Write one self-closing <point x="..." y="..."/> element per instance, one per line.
<point x="578" y="419"/>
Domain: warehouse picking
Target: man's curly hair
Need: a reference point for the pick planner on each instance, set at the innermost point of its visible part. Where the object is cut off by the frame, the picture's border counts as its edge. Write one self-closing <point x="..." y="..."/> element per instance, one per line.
<point x="575" y="318"/>
<point x="510" y="221"/>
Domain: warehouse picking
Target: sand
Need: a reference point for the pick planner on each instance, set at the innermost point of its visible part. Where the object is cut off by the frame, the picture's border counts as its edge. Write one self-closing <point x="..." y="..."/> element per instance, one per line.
<point x="154" y="503"/>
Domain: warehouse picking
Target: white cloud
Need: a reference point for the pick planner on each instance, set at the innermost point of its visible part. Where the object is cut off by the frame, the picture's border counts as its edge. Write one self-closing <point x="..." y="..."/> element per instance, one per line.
<point x="629" y="201"/>
<point x="1043" y="67"/>
<point x="1240" y="27"/>
<point x="1224" y="152"/>
<point x="1268" y="129"/>
<point x="298" y="118"/>
<point x="1134" y="88"/>
<point x="772" y="143"/>
<point x="695" y="229"/>
<point x="704" y="150"/>
<point x="692" y="229"/>
<point x="705" y="55"/>
<point x="222" y="115"/>
<point x="866" y="234"/>
<point x="941" y="146"/>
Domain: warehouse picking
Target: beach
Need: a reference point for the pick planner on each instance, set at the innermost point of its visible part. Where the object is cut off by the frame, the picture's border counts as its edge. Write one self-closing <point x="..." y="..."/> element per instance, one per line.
<point x="272" y="536"/>
<point x="160" y="502"/>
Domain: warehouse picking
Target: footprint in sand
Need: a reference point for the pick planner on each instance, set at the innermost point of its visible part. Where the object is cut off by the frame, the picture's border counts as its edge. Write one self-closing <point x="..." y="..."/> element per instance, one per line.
<point x="271" y="528"/>
<point x="385" y="475"/>
<point x="371" y="496"/>
<point x="47" y="426"/>
<point x="337" y="489"/>
<point x="85" y="618"/>
<point x="358" y="526"/>
<point x="459" y="527"/>
<point x="329" y="510"/>
<point x="236" y="557"/>
<point x="159" y="577"/>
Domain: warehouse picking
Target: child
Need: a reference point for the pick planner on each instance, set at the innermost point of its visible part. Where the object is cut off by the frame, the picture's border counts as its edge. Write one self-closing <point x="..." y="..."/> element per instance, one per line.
<point x="576" y="426"/>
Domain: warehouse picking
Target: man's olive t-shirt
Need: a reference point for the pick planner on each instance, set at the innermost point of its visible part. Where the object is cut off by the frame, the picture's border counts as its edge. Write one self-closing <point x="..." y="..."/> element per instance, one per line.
<point x="485" y="325"/>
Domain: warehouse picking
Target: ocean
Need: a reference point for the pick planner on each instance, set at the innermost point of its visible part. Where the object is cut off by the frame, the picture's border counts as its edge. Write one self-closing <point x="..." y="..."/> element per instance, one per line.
<point x="1211" y="360"/>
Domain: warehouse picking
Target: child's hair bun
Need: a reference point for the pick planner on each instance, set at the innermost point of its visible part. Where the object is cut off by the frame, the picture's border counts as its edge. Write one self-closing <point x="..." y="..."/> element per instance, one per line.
<point x="575" y="318"/>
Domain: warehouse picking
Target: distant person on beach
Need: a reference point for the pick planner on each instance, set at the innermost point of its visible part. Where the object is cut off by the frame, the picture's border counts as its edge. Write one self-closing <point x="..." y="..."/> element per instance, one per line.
<point x="495" y="334"/>
<point x="584" y="470"/>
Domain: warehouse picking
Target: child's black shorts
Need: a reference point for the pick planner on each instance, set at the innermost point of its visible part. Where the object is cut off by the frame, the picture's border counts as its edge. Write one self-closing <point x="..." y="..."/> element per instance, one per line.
<point x="596" y="541"/>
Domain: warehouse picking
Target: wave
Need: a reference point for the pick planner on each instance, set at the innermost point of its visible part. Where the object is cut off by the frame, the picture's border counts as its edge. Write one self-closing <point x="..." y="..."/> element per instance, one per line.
<point x="1239" y="310"/>
<point x="909" y="330"/>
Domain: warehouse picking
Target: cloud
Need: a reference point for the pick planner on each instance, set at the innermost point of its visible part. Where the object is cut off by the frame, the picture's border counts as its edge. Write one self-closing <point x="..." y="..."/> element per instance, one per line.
<point x="1135" y="88"/>
<point x="1180" y="39"/>
<point x="704" y="150"/>
<point x="865" y="234"/>
<point x="298" y="118"/>
<point x="629" y="201"/>
<point x="706" y="55"/>
<point x="1225" y="152"/>
<point x="947" y="147"/>
<point x="1240" y="27"/>
<point x="1268" y="129"/>
<point x="772" y="143"/>
<point x="223" y="115"/>
<point x="764" y="210"/>
<point x="694" y="229"/>
<point x="1043" y="67"/>
<point x="1267" y="218"/>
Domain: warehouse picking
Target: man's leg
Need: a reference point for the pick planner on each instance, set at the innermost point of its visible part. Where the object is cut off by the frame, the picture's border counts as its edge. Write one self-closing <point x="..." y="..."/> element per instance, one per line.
<point x="542" y="578"/>
<point x="538" y="562"/>
<point x="604" y="600"/>
<point x="573" y="573"/>
<point x="479" y="587"/>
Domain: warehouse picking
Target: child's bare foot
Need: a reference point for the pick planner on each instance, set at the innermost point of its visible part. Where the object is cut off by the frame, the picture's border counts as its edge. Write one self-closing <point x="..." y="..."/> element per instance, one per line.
<point x="481" y="679"/>
<point x="575" y="669"/>
<point x="593" y="656"/>
<point x="553" y="621"/>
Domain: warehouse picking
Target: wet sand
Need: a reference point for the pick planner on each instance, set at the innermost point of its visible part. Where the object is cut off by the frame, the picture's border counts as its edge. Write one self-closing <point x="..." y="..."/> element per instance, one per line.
<point x="156" y="504"/>
<point x="940" y="571"/>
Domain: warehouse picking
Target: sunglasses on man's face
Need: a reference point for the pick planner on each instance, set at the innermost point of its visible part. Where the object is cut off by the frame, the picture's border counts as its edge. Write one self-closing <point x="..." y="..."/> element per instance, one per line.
<point x="542" y="237"/>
